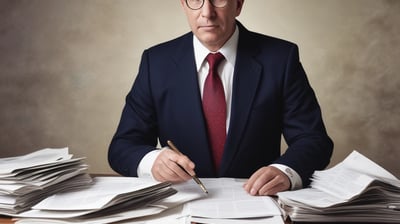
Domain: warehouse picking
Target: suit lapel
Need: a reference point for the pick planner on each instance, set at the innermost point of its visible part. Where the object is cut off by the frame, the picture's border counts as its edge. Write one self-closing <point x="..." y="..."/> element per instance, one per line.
<point x="245" y="84"/>
<point x="190" y="104"/>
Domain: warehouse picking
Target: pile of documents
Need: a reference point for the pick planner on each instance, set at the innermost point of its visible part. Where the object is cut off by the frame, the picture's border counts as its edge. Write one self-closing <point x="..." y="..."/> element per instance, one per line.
<point x="26" y="180"/>
<point x="155" y="203"/>
<point x="355" y="190"/>
<point x="49" y="186"/>
<point x="228" y="203"/>
<point x="107" y="200"/>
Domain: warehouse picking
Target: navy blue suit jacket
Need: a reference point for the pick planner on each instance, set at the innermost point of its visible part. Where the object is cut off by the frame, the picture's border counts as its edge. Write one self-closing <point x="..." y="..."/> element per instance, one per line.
<point x="271" y="96"/>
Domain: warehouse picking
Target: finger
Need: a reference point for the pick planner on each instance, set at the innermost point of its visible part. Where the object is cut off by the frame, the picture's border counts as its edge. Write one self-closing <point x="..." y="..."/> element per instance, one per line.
<point x="162" y="173"/>
<point x="182" y="160"/>
<point x="161" y="170"/>
<point x="167" y="167"/>
<point x="262" y="180"/>
<point x="185" y="163"/>
<point x="249" y="183"/>
<point x="277" y="184"/>
<point x="177" y="169"/>
<point x="258" y="180"/>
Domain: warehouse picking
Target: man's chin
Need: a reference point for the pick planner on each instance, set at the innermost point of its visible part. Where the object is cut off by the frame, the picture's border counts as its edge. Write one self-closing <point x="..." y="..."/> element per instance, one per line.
<point x="211" y="40"/>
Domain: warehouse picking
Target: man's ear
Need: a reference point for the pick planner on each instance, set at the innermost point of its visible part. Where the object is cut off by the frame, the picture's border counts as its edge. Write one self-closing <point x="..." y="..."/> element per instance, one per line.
<point x="239" y="6"/>
<point x="183" y="3"/>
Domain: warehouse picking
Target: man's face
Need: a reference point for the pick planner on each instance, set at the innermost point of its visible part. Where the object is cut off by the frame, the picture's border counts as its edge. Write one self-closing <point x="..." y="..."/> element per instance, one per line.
<point x="213" y="26"/>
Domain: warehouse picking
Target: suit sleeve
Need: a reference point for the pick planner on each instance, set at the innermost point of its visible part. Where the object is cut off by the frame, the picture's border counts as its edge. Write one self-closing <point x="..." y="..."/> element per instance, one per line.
<point x="136" y="134"/>
<point x="309" y="146"/>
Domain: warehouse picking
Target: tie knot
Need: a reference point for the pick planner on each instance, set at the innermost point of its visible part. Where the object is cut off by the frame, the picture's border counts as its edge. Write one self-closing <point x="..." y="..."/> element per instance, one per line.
<point x="214" y="60"/>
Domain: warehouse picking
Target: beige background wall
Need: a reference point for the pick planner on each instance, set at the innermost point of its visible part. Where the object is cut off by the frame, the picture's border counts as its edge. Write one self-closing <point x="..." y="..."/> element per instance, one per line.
<point x="66" y="66"/>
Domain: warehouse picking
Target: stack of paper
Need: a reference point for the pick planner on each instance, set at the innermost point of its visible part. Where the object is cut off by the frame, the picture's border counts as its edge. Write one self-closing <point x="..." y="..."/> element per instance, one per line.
<point x="26" y="180"/>
<point x="228" y="203"/>
<point x="108" y="200"/>
<point x="355" y="190"/>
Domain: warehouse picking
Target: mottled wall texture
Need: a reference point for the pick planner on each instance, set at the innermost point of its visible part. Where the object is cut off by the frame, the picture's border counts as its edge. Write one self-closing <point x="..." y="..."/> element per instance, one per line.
<point x="66" y="66"/>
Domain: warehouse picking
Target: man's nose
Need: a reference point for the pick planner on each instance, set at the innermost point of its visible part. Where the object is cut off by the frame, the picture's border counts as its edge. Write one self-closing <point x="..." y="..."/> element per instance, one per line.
<point x="208" y="9"/>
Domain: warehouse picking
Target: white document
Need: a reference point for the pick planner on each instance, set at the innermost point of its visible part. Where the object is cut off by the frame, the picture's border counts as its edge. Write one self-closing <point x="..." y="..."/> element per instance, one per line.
<point x="355" y="190"/>
<point x="170" y="216"/>
<point x="25" y="187"/>
<point x="358" y="162"/>
<point x="146" y="211"/>
<point x="70" y="205"/>
<point x="103" y="190"/>
<point x="228" y="200"/>
<point x="27" y="179"/>
<point x="351" y="177"/>
<point x="40" y="157"/>
<point x="340" y="183"/>
<point x="267" y="220"/>
<point x="151" y="214"/>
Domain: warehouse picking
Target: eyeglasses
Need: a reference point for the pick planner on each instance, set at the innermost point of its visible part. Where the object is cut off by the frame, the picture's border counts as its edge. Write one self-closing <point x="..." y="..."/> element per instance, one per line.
<point x="197" y="4"/>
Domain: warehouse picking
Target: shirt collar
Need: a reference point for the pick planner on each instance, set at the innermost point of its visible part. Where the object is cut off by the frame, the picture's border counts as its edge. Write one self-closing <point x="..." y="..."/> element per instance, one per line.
<point x="228" y="50"/>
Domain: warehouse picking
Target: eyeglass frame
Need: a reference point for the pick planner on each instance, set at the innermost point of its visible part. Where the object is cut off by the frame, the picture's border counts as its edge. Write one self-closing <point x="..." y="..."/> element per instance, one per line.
<point x="202" y="4"/>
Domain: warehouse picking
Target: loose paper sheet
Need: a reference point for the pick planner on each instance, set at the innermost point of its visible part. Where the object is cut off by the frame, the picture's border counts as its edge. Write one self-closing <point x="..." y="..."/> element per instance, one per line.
<point x="227" y="199"/>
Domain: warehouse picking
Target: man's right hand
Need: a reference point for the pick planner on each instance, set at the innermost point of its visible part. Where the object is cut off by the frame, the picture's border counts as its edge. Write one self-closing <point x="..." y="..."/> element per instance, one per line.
<point x="169" y="166"/>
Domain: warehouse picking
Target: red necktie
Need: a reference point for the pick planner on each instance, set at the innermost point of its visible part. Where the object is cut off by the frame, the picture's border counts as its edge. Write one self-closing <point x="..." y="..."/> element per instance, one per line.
<point x="214" y="107"/>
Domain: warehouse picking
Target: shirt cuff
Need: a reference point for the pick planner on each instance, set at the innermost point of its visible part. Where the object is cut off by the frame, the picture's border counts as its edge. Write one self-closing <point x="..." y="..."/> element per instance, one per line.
<point x="294" y="177"/>
<point x="145" y="165"/>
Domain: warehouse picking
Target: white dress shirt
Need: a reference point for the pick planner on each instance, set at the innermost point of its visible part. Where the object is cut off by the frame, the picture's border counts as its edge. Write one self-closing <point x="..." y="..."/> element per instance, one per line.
<point x="225" y="70"/>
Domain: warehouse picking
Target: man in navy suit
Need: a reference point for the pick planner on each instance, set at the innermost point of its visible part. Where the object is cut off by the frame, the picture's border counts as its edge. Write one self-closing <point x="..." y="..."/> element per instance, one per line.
<point x="267" y="95"/>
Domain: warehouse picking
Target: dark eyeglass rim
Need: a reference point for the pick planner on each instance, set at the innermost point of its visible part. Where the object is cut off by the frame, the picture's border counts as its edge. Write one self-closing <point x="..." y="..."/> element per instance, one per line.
<point x="202" y="4"/>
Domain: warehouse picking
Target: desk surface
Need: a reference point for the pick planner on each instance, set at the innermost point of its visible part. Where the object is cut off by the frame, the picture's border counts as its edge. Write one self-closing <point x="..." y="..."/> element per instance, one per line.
<point x="5" y="220"/>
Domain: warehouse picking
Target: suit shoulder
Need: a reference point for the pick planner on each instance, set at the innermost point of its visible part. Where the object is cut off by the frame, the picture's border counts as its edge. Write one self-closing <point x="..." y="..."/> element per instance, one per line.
<point x="266" y="40"/>
<point x="170" y="45"/>
<point x="265" y="46"/>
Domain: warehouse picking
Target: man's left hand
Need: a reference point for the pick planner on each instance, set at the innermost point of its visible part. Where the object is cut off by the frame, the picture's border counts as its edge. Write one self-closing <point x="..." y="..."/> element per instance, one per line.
<point x="267" y="180"/>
